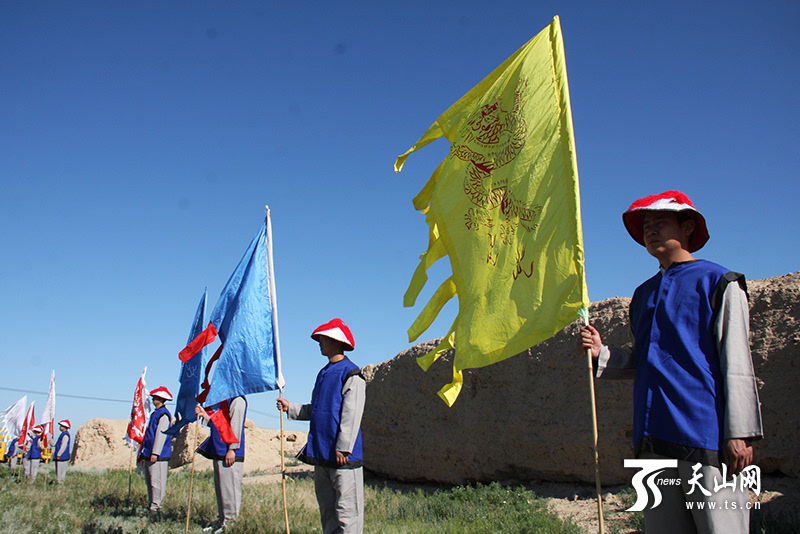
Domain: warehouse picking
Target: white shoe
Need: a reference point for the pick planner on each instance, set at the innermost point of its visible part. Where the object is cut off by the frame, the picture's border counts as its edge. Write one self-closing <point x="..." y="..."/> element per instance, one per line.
<point x="225" y="524"/>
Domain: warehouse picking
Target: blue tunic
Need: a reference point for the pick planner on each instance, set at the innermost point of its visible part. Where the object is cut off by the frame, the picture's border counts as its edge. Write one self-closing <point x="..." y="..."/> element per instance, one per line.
<point x="214" y="448"/>
<point x="678" y="395"/>
<point x="35" y="453"/>
<point x="326" y="409"/>
<point x="150" y="436"/>
<point x="65" y="455"/>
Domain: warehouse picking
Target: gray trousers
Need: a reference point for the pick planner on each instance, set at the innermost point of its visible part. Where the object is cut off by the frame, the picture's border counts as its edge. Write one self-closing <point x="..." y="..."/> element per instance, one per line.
<point x="730" y="513"/>
<point x="31" y="468"/>
<point x="155" y="476"/>
<point x="228" y="487"/>
<point x="61" y="470"/>
<point x="340" y="495"/>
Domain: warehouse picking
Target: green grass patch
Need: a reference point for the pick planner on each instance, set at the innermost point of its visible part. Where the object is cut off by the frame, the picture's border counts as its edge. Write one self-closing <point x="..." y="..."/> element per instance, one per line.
<point x="103" y="502"/>
<point x="465" y="509"/>
<point x="109" y="502"/>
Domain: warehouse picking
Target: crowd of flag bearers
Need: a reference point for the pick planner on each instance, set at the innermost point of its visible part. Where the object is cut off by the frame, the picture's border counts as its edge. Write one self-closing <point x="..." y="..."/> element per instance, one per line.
<point x="26" y="452"/>
<point x="333" y="447"/>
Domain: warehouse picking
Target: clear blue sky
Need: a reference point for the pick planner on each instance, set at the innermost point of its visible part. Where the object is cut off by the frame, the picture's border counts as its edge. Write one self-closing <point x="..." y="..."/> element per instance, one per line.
<point x="140" y="141"/>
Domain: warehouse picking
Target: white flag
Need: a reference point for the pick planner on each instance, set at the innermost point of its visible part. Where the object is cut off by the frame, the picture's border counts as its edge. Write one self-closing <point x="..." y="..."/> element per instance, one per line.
<point x="49" y="413"/>
<point x="13" y="417"/>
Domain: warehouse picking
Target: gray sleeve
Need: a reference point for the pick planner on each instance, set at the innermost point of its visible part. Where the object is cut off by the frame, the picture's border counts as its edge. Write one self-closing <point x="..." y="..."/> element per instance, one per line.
<point x="301" y="412"/>
<point x="353" y="398"/>
<point x="236" y="409"/>
<point x="161" y="438"/>
<point x="742" y="418"/>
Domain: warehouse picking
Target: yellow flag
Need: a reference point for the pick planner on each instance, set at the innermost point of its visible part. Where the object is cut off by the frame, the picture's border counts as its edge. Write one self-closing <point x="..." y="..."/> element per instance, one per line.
<point x="505" y="207"/>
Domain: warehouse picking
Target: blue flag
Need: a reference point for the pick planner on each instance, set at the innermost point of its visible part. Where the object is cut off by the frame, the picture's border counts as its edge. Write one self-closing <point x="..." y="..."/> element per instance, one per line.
<point x="245" y="318"/>
<point x="191" y="372"/>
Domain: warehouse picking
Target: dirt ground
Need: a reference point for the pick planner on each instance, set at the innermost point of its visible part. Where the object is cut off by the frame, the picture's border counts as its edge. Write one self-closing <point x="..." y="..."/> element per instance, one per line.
<point x="579" y="501"/>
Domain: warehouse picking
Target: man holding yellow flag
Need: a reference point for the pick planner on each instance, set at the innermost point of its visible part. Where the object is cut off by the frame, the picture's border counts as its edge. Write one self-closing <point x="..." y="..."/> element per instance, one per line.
<point x="695" y="395"/>
<point x="504" y="206"/>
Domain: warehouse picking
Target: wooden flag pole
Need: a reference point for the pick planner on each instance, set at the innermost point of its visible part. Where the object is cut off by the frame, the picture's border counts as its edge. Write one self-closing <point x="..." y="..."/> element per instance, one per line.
<point x="130" y="475"/>
<point x="283" y="471"/>
<point x="595" y="437"/>
<point x="46" y="470"/>
<point x="279" y="377"/>
<point x="191" y="480"/>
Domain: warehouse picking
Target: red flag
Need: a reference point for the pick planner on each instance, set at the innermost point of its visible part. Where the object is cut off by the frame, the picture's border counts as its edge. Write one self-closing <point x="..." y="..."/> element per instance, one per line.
<point x="222" y="420"/>
<point x="138" y="423"/>
<point x="205" y="337"/>
<point x="27" y="425"/>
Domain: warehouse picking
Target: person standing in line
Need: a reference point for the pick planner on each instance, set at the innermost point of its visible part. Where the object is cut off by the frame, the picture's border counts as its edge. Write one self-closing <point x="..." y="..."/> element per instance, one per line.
<point x="695" y="397"/>
<point x="11" y="452"/>
<point x="61" y="451"/>
<point x="334" y="435"/>
<point x="225" y="447"/>
<point x="22" y="447"/>
<point x="34" y="453"/>
<point x="157" y="450"/>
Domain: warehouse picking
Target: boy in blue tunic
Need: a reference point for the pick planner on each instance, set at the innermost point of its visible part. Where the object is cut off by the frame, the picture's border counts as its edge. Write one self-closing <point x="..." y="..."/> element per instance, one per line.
<point x="695" y="397"/>
<point x="334" y="434"/>
<point x="34" y="452"/>
<point x="225" y="447"/>
<point x="157" y="450"/>
<point x="12" y="453"/>
<point x="61" y="451"/>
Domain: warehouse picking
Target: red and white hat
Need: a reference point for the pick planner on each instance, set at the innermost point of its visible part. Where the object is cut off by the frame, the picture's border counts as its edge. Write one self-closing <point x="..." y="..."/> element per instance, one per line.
<point x="161" y="393"/>
<point x="37" y="428"/>
<point x="666" y="201"/>
<point x="336" y="329"/>
<point x="64" y="423"/>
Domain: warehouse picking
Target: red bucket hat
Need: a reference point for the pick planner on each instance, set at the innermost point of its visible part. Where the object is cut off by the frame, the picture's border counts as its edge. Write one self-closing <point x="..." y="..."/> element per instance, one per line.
<point x="666" y="201"/>
<point x="161" y="393"/>
<point x="335" y="329"/>
<point x="65" y="423"/>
